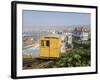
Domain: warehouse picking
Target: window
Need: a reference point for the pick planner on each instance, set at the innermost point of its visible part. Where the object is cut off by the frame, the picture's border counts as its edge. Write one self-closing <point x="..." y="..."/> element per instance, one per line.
<point x="45" y="43"/>
<point x="42" y="43"/>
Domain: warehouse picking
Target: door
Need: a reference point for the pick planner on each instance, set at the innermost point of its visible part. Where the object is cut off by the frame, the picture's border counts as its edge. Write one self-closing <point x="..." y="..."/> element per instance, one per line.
<point x="54" y="48"/>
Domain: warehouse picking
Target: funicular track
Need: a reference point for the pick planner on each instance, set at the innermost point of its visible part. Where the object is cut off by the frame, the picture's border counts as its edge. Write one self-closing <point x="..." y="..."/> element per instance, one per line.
<point x="34" y="63"/>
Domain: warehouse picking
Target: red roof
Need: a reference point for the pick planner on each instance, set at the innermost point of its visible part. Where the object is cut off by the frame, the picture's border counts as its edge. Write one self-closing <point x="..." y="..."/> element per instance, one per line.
<point x="80" y="29"/>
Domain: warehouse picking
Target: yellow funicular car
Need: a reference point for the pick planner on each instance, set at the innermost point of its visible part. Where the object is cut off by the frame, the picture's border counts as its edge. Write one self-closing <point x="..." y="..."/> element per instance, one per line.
<point x="49" y="46"/>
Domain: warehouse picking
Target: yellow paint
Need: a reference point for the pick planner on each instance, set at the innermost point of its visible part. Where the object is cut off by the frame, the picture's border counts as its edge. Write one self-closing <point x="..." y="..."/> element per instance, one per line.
<point x="49" y="46"/>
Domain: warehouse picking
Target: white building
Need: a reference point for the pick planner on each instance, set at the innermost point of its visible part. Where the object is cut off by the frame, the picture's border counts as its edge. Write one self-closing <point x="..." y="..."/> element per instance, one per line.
<point x="63" y="48"/>
<point x="66" y="38"/>
<point x="80" y="34"/>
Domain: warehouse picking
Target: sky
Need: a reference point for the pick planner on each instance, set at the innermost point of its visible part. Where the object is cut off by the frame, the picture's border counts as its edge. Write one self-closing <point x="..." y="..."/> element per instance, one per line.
<point x="47" y="18"/>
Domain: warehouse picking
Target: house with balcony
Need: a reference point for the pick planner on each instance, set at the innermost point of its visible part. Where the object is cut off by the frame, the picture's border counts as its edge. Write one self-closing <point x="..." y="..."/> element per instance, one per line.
<point x="80" y="35"/>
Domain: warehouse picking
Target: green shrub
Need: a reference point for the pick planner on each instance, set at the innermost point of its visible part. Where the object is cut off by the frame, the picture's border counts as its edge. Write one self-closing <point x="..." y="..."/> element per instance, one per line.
<point x="74" y="58"/>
